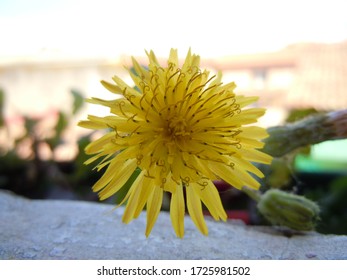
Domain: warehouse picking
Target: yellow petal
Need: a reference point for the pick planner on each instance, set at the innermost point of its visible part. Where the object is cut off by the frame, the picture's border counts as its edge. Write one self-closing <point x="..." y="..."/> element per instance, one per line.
<point x="141" y="72"/>
<point x="153" y="208"/>
<point x="177" y="211"/>
<point x="243" y="101"/>
<point x="133" y="201"/>
<point x="146" y="190"/>
<point x="170" y="185"/>
<point x="92" y="125"/>
<point x="118" y="180"/>
<point x="242" y="163"/>
<point x="107" y="177"/>
<point x="254" y="132"/>
<point x="237" y="178"/>
<point x="195" y="210"/>
<point x="173" y="58"/>
<point x="111" y="87"/>
<point x="247" y="116"/>
<point x="211" y="198"/>
<point x="256" y="156"/>
<point x="98" y="145"/>
<point x="152" y="58"/>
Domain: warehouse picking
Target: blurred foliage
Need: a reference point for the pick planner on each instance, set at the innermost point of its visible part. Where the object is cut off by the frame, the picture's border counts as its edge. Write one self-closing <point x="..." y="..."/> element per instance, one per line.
<point x="331" y="196"/>
<point x="78" y="101"/>
<point x="35" y="177"/>
<point x="299" y="114"/>
<point x="2" y="105"/>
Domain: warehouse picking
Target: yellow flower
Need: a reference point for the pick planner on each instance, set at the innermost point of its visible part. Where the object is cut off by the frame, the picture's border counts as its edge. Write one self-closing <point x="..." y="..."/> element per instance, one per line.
<point x="182" y="129"/>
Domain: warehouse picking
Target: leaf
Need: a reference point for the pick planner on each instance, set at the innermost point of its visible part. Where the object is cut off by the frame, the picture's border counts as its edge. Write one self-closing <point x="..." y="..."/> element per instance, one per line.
<point x="61" y="124"/>
<point x="29" y="124"/>
<point x="2" y="104"/>
<point x="59" y="128"/>
<point x="78" y="101"/>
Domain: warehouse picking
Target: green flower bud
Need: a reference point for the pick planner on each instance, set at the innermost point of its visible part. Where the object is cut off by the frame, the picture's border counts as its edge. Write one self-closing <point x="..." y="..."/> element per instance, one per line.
<point x="290" y="210"/>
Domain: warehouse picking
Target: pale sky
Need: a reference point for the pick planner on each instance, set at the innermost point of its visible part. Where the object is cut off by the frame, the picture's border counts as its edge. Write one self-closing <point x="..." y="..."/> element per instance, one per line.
<point x="211" y="28"/>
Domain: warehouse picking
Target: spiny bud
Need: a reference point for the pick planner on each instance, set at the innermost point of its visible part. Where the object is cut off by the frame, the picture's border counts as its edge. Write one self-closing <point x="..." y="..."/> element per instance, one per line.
<point x="311" y="130"/>
<point x="290" y="210"/>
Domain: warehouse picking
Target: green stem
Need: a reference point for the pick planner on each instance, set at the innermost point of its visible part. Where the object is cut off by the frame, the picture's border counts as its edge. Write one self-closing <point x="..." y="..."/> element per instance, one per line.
<point x="254" y="194"/>
<point x="311" y="130"/>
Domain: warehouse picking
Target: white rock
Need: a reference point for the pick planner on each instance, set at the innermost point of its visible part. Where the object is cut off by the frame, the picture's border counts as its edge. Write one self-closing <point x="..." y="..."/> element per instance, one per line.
<point x="55" y="229"/>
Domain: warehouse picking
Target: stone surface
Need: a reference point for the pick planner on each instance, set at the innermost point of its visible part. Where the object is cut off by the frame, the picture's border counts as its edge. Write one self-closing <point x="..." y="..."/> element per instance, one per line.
<point x="53" y="229"/>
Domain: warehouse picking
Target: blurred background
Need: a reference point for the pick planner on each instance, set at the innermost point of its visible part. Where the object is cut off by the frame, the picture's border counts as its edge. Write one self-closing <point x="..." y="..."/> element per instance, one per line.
<point x="293" y="54"/>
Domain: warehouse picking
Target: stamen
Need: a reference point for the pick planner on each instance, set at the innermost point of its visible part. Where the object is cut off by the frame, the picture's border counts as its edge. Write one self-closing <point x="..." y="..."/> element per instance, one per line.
<point x="203" y="185"/>
<point x="227" y="98"/>
<point x="154" y="77"/>
<point x="196" y="75"/>
<point x="134" y="131"/>
<point x="192" y="105"/>
<point x="163" y="181"/>
<point x="141" y="99"/>
<point x="185" y="181"/>
<point x="209" y="88"/>
<point x="139" y="157"/>
<point x="174" y="74"/>
<point x="128" y="96"/>
<point x="173" y="179"/>
<point x="154" y="100"/>
<point x="149" y="175"/>
<point x="116" y="131"/>
<point x="196" y="89"/>
<point x="216" y="109"/>
<point x="177" y="83"/>
<point x="171" y="66"/>
<point x="132" y="118"/>
<point x="120" y="104"/>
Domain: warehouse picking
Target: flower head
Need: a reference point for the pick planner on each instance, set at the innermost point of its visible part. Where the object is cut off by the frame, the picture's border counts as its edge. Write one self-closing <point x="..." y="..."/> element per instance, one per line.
<point x="183" y="128"/>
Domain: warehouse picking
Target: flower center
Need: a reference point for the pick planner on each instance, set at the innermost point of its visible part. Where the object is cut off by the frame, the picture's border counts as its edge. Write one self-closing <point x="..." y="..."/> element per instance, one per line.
<point x="177" y="126"/>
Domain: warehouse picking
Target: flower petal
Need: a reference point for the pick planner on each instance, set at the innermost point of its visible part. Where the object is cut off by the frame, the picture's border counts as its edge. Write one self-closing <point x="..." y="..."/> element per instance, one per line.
<point x="195" y="210"/>
<point x="119" y="178"/>
<point x="256" y="156"/>
<point x="146" y="190"/>
<point x="153" y="208"/>
<point x="235" y="177"/>
<point x="177" y="211"/>
<point x="211" y="198"/>
<point x="133" y="201"/>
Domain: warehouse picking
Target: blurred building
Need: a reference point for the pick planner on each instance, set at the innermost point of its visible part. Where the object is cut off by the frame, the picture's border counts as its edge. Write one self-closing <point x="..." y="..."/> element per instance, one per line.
<point x="299" y="76"/>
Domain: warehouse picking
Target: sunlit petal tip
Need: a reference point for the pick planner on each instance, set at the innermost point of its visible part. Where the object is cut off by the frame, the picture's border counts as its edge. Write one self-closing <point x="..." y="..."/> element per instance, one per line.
<point x="111" y="87"/>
